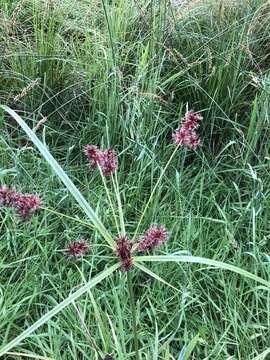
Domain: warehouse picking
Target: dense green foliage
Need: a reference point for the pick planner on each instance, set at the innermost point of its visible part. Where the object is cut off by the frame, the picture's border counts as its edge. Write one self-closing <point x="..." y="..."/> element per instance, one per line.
<point x="120" y="74"/>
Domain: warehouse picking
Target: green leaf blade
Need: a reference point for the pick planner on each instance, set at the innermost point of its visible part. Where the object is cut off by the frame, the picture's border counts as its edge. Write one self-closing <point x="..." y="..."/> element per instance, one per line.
<point x="71" y="298"/>
<point x="62" y="176"/>
<point x="203" y="261"/>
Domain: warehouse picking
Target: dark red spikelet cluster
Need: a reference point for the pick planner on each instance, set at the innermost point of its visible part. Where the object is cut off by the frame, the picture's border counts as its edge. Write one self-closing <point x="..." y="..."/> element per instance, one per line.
<point x="108" y="162"/>
<point x="93" y="154"/>
<point x="24" y="204"/>
<point x="106" y="159"/>
<point x="77" y="248"/>
<point x="186" y="133"/>
<point x="153" y="238"/>
<point x="123" y="251"/>
<point x="7" y="196"/>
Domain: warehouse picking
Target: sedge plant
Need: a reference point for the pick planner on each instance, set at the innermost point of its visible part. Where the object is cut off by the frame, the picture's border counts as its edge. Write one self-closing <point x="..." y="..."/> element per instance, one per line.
<point x="128" y="254"/>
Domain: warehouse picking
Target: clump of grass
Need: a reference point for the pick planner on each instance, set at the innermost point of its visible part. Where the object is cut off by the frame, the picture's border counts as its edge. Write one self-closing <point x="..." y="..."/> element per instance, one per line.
<point x="124" y="250"/>
<point x="213" y="57"/>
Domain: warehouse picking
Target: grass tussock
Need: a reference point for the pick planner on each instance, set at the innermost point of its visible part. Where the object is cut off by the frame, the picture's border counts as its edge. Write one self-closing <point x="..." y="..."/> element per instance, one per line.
<point x="121" y="75"/>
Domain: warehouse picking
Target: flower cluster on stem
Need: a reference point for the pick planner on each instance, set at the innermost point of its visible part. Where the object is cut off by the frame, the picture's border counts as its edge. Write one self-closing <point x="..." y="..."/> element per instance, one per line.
<point x="106" y="159"/>
<point x="154" y="237"/>
<point x="123" y="251"/>
<point x="24" y="204"/>
<point x="186" y="134"/>
<point x="77" y="248"/>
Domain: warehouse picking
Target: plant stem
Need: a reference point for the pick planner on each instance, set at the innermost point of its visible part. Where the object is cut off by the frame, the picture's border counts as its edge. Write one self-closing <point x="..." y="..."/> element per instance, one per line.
<point x="120" y="207"/>
<point x="109" y="198"/>
<point x="67" y="216"/>
<point x="133" y="312"/>
<point x="152" y="194"/>
<point x="110" y="32"/>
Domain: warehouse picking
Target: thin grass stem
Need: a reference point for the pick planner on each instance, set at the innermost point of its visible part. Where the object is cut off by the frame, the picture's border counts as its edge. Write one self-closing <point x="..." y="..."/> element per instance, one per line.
<point x="119" y="202"/>
<point x="133" y="313"/>
<point x="110" y="199"/>
<point x="153" y="192"/>
<point x="67" y="217"/>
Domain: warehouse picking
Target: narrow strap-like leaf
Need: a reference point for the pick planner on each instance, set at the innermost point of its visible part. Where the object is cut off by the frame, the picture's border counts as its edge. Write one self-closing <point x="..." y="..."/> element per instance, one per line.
<point x="58" y="308"/>
<point x="155" y="276"/>
<point x="62" y="176"/>
<point x="204" y="261"/>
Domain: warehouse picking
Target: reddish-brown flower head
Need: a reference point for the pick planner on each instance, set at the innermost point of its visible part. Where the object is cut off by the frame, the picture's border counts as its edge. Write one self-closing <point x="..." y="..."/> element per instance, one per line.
<point x="93" y="154"/>
<point x="106" y="159"/>
<point x="186" y="133"/>
<point x="7" y="196"/>
<point x="123" y="251"/>
<point x="155" y="236"/>
<point x="108" y="162"/>
<point x="24" y="204"/>
<point x="77" y="248"/>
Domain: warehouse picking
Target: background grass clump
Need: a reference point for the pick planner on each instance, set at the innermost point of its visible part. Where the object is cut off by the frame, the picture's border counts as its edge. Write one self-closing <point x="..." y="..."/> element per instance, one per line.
<point x="120" y="74"/>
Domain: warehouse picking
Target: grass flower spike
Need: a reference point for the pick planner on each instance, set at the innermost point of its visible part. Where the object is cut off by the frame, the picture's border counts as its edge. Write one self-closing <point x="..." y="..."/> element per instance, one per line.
<point x="106" y="159"/>
<point x="186" y="133"/>
<point x="153" y="238"/>
<point x="24" y="204"/>
<point x="77" y="248"/>
<point x="123" y="251"/>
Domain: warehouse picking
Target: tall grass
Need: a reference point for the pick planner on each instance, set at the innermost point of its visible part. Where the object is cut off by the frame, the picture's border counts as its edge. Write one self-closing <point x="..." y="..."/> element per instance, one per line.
<point x="122" y="79"/>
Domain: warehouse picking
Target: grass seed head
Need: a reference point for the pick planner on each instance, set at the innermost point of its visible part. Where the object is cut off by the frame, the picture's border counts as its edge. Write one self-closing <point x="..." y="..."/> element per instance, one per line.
<point x="24" y="204"/>
<point x="186" y="133"/>
<point x="123" y="251"/>
<point x="77" y="248"/>
<point x="154" y="237"/>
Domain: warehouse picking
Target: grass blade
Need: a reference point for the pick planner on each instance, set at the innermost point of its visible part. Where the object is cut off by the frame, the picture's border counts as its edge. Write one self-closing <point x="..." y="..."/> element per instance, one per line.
<point x="109" y="199"/>
<point x="204" y="261"/>
<point x="263" y="355"/>
<point x="119" y="203"/>
<point x="71" y="298"/>
<point x="155" y="276"/>
<point x="29" y="356"/>
<point x="190" y="347"/>
<point x="98" y="316"/>
<point x="153" y="192"/>
<point x="62" y="176"/>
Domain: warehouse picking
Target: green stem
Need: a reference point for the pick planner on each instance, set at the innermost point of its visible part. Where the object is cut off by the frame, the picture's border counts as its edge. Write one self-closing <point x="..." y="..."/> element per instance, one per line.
<point x="67" y="216"/>
<point x="119" y="203"/>
<point x="109" y="198"/>
<point x="110" y="32"/>
<point x="152" y="194"/>
<point x="133" y="312"/>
